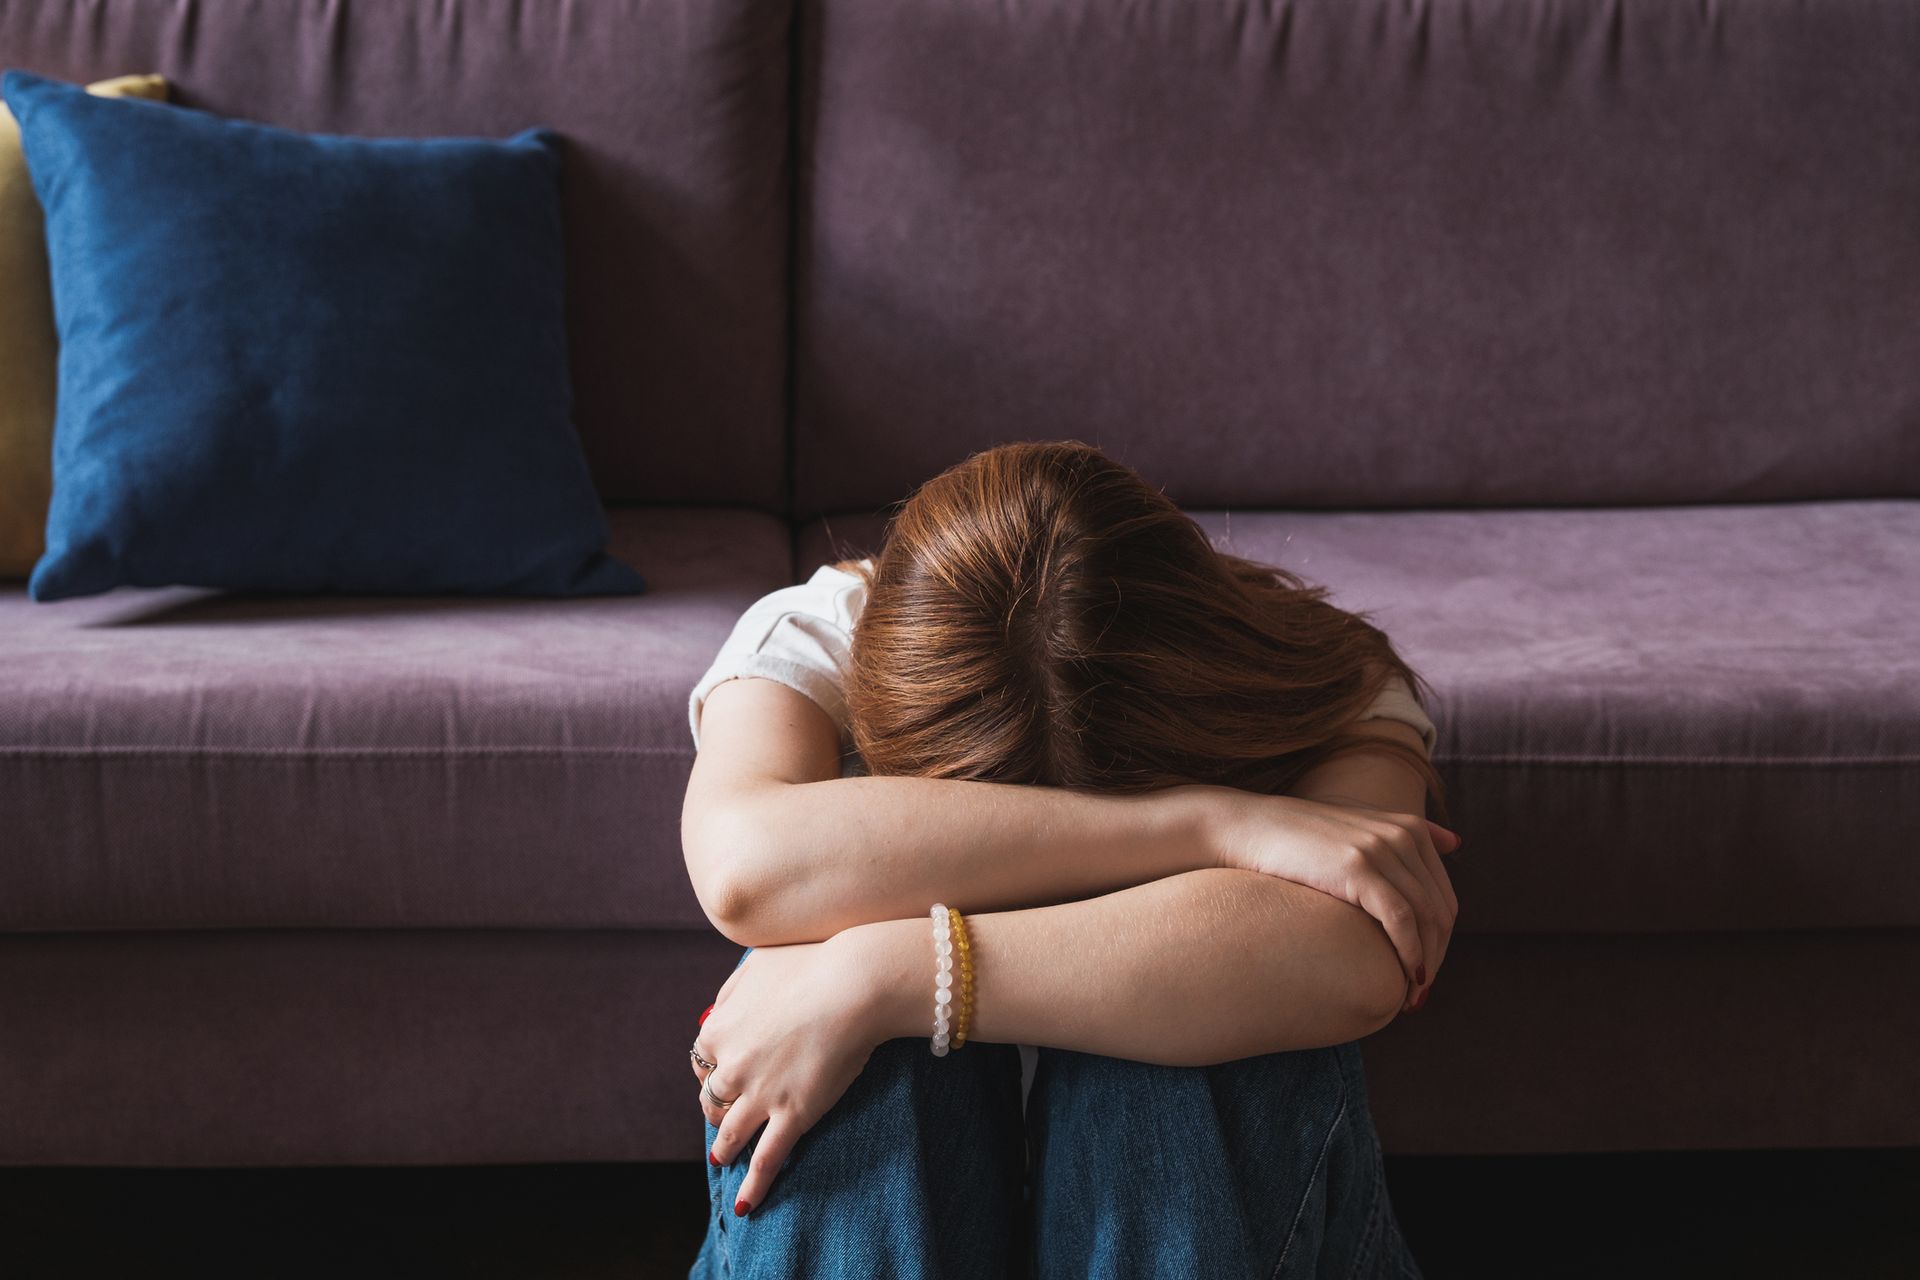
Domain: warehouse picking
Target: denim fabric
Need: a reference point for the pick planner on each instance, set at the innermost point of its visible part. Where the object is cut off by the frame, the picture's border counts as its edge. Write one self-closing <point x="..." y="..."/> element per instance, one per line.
<point x="1261" y="1167"/>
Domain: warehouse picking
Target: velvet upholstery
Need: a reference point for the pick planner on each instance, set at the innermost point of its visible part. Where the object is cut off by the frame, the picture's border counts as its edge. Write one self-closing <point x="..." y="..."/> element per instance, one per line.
<point x="675" y="116"/>
<point x="1735" y="687"/>
<point x="1571" y="339"/>
<point x="177" y="758"/>
<point x="1364" y="253"/>
<point x="333" y="1046"/>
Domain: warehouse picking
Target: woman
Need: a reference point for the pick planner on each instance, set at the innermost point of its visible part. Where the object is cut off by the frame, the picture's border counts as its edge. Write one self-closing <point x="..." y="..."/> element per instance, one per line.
<point x="1176" y="797"/>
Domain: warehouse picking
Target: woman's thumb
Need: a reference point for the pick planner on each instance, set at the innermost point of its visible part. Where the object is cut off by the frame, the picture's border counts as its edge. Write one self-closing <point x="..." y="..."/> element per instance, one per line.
<point x="1444" y="840"/>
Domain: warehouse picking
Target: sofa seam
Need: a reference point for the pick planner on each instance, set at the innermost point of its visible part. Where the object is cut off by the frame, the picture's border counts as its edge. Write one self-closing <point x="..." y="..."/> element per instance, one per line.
<point x="137" y="752"/>
<point x="1618" y="762"/>
<point x="1668" y="761"/>
<point x="790" y="390"/>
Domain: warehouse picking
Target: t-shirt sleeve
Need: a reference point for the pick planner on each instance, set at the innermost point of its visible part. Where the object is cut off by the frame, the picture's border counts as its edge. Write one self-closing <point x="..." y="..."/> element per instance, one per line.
<point x="800" y="636"/>
<point x="1396" y="702"/>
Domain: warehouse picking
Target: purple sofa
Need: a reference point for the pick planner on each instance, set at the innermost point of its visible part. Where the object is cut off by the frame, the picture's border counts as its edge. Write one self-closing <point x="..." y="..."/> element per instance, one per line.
<point x="1578" y="342"/>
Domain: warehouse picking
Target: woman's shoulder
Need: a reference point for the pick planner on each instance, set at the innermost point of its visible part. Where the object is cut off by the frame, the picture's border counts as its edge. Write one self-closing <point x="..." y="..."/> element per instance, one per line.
<point x="840" y="573"/>
<point x="1396" y="701"/>
<point x="808" y="622"/>
<point x="844" y="568"/>
<point x="834" y="593"/>
<point x="799" y="635"/>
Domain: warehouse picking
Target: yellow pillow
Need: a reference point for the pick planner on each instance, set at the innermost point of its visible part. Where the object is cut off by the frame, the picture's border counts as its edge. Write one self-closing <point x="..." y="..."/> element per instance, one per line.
<point x="29" y="349"/>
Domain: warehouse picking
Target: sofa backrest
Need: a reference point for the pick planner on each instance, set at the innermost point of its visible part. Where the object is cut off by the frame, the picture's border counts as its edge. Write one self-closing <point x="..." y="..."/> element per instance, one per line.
<point x="1319" y="253"/>
<point x="1334" y="253"/>
<point x="675" y="177"/>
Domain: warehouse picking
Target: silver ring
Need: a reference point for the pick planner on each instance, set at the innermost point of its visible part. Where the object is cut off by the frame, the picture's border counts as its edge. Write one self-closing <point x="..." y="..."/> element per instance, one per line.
<point x="695" y="1051"/>
<point x="706" y="1091"/>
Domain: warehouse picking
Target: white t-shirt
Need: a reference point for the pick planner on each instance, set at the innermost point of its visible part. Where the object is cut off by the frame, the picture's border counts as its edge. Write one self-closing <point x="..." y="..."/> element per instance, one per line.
<point x="801" y="636"/>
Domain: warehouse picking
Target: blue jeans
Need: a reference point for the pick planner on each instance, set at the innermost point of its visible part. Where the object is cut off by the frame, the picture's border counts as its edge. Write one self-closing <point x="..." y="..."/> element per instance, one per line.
<point x="1261" y="1167"/>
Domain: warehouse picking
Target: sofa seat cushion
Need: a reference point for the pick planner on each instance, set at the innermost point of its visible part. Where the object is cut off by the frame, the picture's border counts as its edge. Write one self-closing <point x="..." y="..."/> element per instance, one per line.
<point x="1652" y="718"/>
<point x="184" y="758"/>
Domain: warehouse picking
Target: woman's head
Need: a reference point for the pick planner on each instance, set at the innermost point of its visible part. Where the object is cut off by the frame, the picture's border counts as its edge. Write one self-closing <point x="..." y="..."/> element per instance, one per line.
<point x="1039" y="613"/>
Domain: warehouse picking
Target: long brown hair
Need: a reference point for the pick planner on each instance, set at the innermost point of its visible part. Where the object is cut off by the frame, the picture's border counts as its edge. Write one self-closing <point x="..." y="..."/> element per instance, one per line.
<point x="1039" y="613"/>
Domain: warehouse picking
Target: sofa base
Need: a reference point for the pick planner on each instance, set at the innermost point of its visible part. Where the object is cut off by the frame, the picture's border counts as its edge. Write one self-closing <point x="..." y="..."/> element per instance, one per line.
<point x="1657" y="1042"/>
<point x="317" y="1047"/>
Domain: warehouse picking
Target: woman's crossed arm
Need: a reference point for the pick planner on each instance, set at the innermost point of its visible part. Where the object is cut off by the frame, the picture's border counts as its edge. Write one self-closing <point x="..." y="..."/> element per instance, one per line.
<point x="782" y="849"/>
<point x="1196" y="968"/>
<point x="1154" y="888"/>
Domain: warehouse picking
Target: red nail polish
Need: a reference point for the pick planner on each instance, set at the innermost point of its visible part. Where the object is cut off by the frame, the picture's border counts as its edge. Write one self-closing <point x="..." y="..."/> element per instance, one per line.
<point x="704" y="1012"/>
<point x="1420" y="976"/>
<point x="740" y="1208"/>
<point x="1421" y="1003"/>
<point x="713" y="1159"/>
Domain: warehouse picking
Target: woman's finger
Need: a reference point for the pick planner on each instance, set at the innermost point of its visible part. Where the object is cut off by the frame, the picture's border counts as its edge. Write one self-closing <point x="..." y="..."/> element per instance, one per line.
<point x="1424" y="863"/>
<point x="1406" y="851"/>
<point x="1443" y="881"/>
<point x="743" y="1117"/>
<point x="1380" y="898"/>
<point x="1446" y="879"/>
<point x="1393" y="864"/>
<point x="700" y="1072"/>
<point x="715" y="1086"/>
<point x="1449" y="901"/>
<point x="1375" y="857"/>
<point x="1425" y="907"/>
<point x="782" y="1131"/>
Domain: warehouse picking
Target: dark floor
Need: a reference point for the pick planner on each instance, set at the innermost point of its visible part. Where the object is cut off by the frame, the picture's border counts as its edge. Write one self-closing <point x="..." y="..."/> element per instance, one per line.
<point x="1830" y="1215"/>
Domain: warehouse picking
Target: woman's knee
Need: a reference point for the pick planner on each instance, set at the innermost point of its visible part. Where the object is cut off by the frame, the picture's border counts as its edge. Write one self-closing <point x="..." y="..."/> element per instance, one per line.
<point x="1307" y="1082"/>
<point x="1253" y="1160"/>
<point x="903" y="1081"/>
<point x="904" y="1099"/>
<point x="915" y="1171"/>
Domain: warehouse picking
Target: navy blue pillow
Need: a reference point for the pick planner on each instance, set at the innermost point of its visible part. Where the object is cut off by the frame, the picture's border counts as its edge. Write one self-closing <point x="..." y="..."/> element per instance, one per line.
<point x="306" y="362"/>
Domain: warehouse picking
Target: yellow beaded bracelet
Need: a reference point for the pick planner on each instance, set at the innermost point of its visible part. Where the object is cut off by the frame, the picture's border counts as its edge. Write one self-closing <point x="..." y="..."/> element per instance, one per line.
<point x="963" y="959"/>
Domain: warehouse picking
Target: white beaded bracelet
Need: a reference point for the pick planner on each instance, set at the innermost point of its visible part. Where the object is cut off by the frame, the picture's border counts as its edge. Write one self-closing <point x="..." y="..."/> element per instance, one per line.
<point x="942" y="980"/>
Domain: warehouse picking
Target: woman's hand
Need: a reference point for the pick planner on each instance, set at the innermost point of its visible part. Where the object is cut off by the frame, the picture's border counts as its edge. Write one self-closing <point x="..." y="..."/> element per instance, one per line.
<point x="790" y="1030"/>
<point x="1383" y="862"/>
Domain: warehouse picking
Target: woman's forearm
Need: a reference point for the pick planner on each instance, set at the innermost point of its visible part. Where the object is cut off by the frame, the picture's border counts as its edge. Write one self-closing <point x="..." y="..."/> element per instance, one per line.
<point x="799" y="862"/>
<point x="1201" y="967"/>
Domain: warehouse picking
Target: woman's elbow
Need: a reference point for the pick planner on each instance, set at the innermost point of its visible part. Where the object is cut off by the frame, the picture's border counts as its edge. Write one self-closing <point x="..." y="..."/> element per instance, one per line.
<point x="1379" y="983"/>
<point x="1376" y="1015"/>
<point x="729" y="909"/>
<point x="720" y="864"/>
